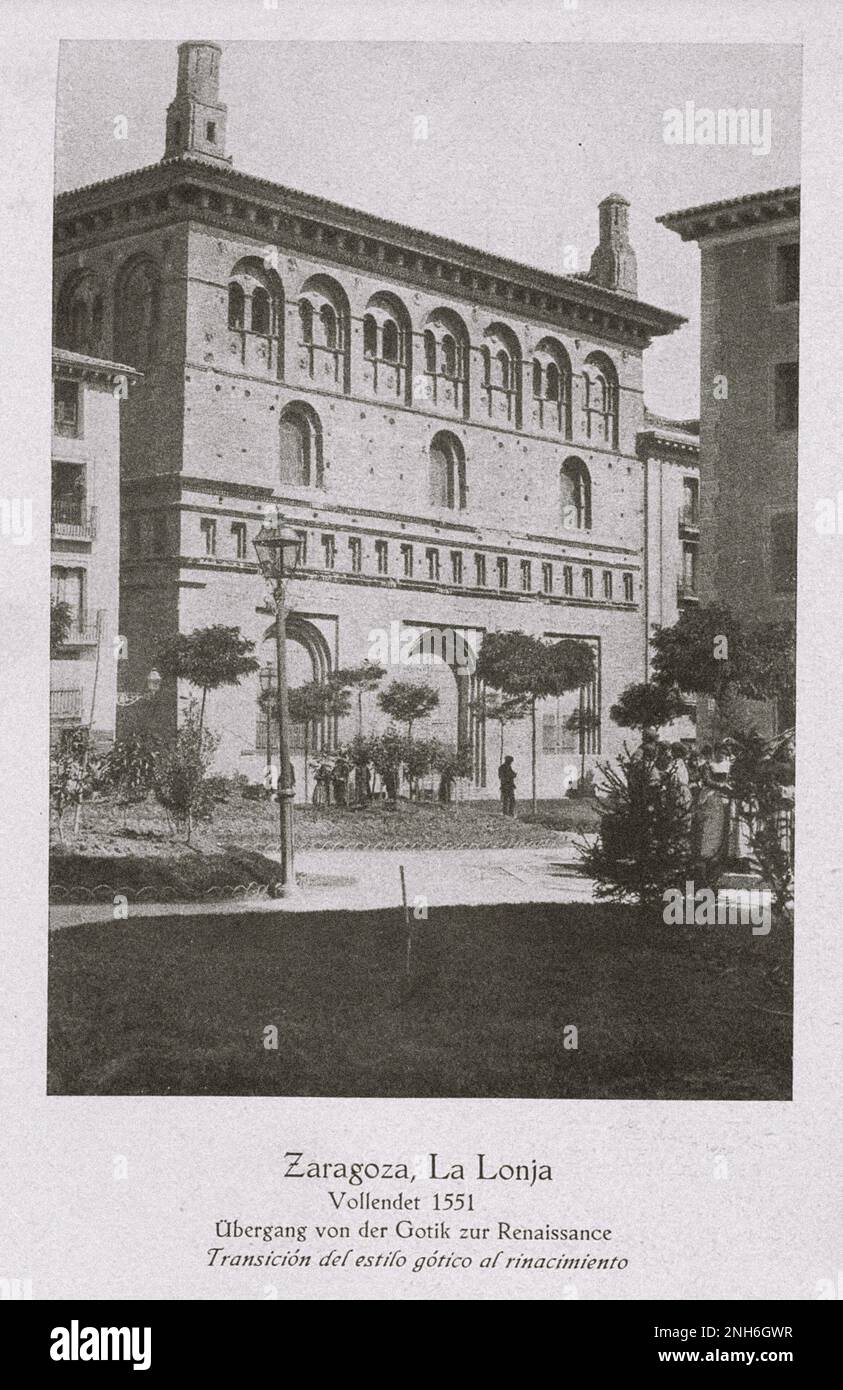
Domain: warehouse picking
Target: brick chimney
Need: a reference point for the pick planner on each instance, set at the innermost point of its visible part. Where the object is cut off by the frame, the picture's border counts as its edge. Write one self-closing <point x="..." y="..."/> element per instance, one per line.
<point x="196" y="117"/>
<point x="613" y="263"/>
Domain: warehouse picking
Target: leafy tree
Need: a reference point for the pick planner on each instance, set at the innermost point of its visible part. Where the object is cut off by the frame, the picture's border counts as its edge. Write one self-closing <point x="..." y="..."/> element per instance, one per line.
<point x="503" y="710"/>
<point x="710" y="651"/>
<point x="309" y="704"/>
<point x="408" y="701"/>
<point x="207" y="658"/>
<point x="644" y="843"/>
<point x="517" y="664"/>
<point x="583" y="722"/>
<point x="387" y="753"/>
<point x="61" y="621"/>
<point x="181" y="773"/>
<point x="647" y="706"/>
<point x="759" y="775"/>
<point x="131" y="766"/>
<point x="366" y="677"/>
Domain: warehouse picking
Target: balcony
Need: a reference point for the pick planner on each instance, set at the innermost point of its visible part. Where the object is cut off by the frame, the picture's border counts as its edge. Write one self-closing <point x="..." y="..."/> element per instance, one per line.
<point x="686" y="591"/>
<point x="689" y="520"/>
<point x="71" y="520"/>
<point x="83" y="632"/>
<point x="66" y="705"/>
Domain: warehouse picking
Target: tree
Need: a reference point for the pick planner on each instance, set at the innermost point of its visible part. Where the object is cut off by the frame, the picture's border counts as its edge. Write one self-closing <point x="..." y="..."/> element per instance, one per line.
<point x="517" y="664"/>
<point x="387" y="753"/>
<point x="181" y="773"/>
<point x="582" y="723"/>
<point x="408" y="701"/>
<point x="647" y="706"/>
<point x="61" y="621"/>
<point x="710" y="651"/>
<point x="643" y="846"/>
<point x="361" y="678"/>
<point x="504" y="709"/>
<point x="207" y="658"/>
<point x="309" y="704"/>
<point x="761" y="779"/>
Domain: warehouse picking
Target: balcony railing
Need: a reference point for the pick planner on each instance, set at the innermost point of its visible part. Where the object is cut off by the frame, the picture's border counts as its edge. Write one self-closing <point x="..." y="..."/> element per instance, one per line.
<point x="72" y="520"/>
<point x="83" y="632"/>
<point x="689" y="518"/>
<point x="66" y="704"/>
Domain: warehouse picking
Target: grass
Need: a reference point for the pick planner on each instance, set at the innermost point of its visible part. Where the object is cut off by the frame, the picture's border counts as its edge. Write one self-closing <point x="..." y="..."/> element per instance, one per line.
<point x="178" y="1006"/>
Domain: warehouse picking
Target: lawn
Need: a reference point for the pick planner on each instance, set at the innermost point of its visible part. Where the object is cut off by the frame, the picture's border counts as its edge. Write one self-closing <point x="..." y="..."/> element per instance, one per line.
<point x="133" y="850"/>
<point x="179" y="1006"/>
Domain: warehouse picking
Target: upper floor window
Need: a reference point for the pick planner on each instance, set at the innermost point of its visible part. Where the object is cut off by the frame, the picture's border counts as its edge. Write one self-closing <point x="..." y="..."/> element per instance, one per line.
<point x="302" y="556"/>
<point x="787" y="273"/>
<point x="261" y="312"/>
<point x="324" y="317"/>
<point x="137" y="310"/>
<point x="503" y="571"/>
<point x="628" y="589"/>
<point x="388" y="347"/>
<point x="787" y="395"/>
<point x="255" y="299"/>
<point x="690" y="514"/>
<point x="432" y="557"/>
<point x="300" y="445"/>
<point x="81" y="313"/>
<point x="588" y="583"/>
<point x="447" y="472"/>
<point x="407" y="561"/>
<point x="208" y="531"/>
<point x="329" y="551"/>
<point x="446" y="351"/>
<point x="355" y="550"/>
<point x="568" y="579"/>
<point x="501" y="353"/>
<point x="480" y="571"/>
<point x="607" y="584"/>
<point x="601" y="399"/>
<point x="456" y="566"/>
<point x="236" y="306"/>
<point x="575" y="483"/>
<point x="526" y="576"/>
<point x="382" y="556"/>
<point x="552" y="388"/>
<point x="66" y="413"/>
<point x="547" y="578"/>
<point x="238" y="535"/>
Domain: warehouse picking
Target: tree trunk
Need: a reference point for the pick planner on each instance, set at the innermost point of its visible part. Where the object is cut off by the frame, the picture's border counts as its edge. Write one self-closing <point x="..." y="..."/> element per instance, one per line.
<point x="501" y="756"/>
<point x="360" y="711"/>
<point x="202" y="714"/>
<point x="533" y="750"/>
<point x="306" y="757"/>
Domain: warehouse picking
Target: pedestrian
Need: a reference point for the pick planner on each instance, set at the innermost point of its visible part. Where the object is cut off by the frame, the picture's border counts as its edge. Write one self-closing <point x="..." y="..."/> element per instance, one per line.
<point x="681" y="774"/>
<point x="506" y="777"/>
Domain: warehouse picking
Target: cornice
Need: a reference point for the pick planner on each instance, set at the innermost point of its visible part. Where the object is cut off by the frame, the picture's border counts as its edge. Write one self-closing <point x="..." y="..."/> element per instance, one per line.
<point x="753" y="211"/>
<point x="186" y="189"/>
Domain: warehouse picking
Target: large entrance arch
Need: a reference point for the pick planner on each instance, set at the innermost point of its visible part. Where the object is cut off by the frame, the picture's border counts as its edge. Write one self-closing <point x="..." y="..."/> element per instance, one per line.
<point x="308" y="659"/>
<point x="447" y="658"/>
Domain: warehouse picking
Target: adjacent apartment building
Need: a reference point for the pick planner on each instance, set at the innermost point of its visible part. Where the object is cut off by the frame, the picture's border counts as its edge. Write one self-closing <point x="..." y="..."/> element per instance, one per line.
<point x="457" y="437"/>
<point x="85" y="540"/>
<point x="749" y="392"/>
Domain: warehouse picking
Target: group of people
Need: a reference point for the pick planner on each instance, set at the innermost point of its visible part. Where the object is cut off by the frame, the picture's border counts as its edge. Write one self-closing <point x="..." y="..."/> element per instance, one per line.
<point x="701" y="779"/>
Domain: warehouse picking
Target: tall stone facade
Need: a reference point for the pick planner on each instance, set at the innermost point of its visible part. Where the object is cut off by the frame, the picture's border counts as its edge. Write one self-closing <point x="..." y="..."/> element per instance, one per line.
<point x="454" y="435"/>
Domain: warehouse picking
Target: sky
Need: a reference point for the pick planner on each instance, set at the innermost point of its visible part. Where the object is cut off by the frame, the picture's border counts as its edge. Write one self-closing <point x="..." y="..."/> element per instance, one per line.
<point x="523" y="141"/>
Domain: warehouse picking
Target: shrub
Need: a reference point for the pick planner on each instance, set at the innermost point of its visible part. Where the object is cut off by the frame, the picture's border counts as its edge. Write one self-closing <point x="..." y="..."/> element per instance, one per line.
<point x="131" y="766"/>
<point x="181" y="783"/>
<point x="644" y="842"/>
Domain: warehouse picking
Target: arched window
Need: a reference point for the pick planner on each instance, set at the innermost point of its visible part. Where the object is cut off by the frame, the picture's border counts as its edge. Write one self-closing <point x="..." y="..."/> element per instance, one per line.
<point x="429" y="351"/>
<point x="261" y="312"/>
<point x="389" y="350"/>
<point x="80" y="316"/>
<point x="447" y="472"/>
<point x="328" y="320"/>
<point x="300" y="446"/>
<point x="601" y="399"/>
<point x="137" y="311"/>
<point x="551" y="407"/>
<point x="575" y="489"/>
<point x="306" y="320"/>
<point x="370" y="336"/>
<point x="487" y="365"/>
<point x="236" y="306"/>
<point x="502" y="369"/>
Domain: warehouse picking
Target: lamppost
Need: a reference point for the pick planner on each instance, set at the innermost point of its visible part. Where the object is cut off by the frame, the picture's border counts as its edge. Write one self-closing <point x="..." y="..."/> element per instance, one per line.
<point x="278" y="552"/>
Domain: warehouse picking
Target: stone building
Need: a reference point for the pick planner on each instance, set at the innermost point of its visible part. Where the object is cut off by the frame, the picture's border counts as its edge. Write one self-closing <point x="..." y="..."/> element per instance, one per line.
<point x="85" y="539"/>
<point x="454" y="435"/>
<point x="749" y="370"/>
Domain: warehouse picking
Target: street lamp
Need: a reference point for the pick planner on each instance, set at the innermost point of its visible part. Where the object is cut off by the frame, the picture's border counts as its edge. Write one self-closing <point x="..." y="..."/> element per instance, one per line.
<point x="265" y="678"/>
<point x="278" y="552"/>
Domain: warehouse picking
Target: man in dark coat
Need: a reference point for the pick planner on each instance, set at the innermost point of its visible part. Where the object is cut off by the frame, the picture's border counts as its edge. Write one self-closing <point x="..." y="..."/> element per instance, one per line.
<point x="506" y="777"/>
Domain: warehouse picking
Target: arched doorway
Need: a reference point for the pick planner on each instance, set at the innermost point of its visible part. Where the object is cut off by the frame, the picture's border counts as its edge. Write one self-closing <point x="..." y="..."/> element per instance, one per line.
<point x="308" y="658"/>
